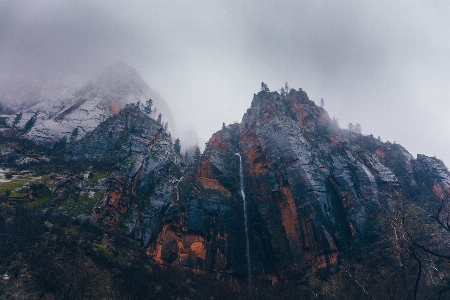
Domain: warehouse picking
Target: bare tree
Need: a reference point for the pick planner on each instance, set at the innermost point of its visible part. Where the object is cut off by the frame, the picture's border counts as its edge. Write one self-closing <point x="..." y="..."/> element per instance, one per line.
<point x="420" y="246"/>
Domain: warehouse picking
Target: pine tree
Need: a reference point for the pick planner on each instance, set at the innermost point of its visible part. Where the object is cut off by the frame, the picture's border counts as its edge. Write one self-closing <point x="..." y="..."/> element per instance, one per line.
<point x="159" y="118"/>
<point x="74" y="134"/>
<point x="63" y="143"/>
<point x="30" y="123"/>
<point x="264" y="87"/>
<point x="197" y="155"/>
<point x="148" y="107"/>
<point x="177" y="146"/>
<point x="60" y="145"/>
<point x="17" y="119"/>
<point x="186" y="156"/>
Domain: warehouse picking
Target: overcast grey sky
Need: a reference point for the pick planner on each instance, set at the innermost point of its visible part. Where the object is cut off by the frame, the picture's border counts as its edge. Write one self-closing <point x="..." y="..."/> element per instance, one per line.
<point x="383" y="64"/>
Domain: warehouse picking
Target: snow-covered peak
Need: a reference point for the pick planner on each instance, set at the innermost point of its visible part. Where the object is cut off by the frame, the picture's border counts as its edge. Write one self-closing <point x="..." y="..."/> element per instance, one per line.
<point x="62" y="109"/>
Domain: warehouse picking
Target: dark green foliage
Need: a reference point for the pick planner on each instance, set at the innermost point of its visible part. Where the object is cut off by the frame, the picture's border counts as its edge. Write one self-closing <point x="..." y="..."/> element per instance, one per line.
<point x="37" y="187"/>
<point x="133" y="128"/>
<point x="148" y="107"/>
<point x="74" y="134"/>
<point x="264" y="87"/>
<point x="159" y="118"/>
<point x="30" y="123"/>
<point x="177" y="146"/>
<point x="197" y="155"/>
<point x="17" y="119"/>
<point x="60" y="145"/>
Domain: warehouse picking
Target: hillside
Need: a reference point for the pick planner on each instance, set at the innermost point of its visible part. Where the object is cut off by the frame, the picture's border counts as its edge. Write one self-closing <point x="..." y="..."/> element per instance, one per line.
<point x="283" y="205"/>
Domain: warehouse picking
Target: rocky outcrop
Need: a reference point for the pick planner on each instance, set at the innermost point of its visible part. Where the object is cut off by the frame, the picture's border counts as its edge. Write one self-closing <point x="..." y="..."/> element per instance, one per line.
<point x="139" y="193"/>
<point x="313" y="191"/>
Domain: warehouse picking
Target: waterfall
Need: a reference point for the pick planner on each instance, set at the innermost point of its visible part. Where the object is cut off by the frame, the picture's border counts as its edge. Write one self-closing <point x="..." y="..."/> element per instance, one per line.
<point x="178" y="194"/>
<point x="177" y="181"/>
<point x="241" y="174"/>
<point x="176" y="187"/>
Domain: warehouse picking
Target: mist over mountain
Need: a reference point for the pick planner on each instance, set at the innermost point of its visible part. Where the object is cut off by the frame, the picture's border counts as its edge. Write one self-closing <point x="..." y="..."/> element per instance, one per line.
<point x="58" y="105"/>
<point x="383" y="64"/>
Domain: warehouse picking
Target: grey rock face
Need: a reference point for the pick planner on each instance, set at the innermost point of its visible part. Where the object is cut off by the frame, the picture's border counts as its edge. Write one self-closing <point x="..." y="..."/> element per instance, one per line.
<point x="141" y="191"/>
<point x="313" y="190"/>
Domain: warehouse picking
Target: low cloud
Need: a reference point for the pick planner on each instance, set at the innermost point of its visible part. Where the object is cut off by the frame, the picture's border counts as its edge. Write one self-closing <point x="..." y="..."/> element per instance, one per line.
<point x="385" y="65"/>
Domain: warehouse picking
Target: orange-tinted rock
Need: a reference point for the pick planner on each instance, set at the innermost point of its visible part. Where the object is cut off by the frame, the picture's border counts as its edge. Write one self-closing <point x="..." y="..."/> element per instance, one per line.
<point x="214" y="184"/>
<point x="290" y="221"/>
<point x="136" y="179"/>
<point x="184" y="249"/>
<point x="204" y="169"/>
<point x="116" y="108"/>
<point x="313" y="192"/>
<point x="155" y="139"/>
<point x="217" y="142"/>
<point x="381" y="154"/>
<point x="335" y="143"/>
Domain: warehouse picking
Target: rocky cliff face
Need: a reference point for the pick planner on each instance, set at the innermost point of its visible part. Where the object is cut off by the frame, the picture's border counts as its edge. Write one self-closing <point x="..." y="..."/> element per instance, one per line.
<point x="314" y="193"/>
<point x="313" y="190"/>
<point x="139" y="192"/>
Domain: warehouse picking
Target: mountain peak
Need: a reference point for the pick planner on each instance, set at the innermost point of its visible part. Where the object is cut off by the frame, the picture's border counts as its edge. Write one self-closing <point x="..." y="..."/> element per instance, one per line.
<point x="295" y="105"/>
<point x="83" y="108"/>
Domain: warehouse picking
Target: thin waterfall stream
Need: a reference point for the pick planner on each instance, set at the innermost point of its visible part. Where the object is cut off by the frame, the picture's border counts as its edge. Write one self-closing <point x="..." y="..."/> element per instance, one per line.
<point x="241" y="174"/>
<point x="178" y="192"/>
